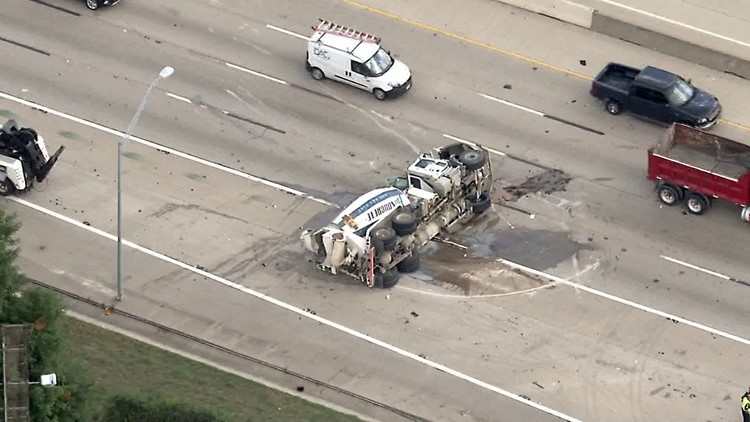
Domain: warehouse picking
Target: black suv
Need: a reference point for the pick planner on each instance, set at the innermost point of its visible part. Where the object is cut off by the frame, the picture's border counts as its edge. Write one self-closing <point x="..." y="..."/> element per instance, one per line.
<point x="95" y="4"/>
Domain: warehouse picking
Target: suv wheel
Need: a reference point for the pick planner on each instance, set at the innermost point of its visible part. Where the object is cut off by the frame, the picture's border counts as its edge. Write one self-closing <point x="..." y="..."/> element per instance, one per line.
<point x="92" y="4"/>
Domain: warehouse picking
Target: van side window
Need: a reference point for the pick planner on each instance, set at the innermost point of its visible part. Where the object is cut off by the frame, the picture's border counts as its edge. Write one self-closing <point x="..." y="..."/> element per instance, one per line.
<point x="360" y="68"/>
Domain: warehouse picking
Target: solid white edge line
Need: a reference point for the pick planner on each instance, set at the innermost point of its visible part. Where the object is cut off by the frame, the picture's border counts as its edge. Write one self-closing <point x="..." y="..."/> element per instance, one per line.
<point x="464" y="141"/>
<point x="695" y="267"/>
<point x="288" y="32"/>
<point x="626" y="302"/>
<point x="296" y="310"/>
<point x="178" y="97"/>
<point x="175" y="152"/>
<point x="677" y="23"/>
<point x="252" y="72"/>
<point x="508" y="103"/>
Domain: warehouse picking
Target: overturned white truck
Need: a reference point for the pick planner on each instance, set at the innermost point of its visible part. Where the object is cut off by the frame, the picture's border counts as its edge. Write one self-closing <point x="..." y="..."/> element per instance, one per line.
<point x="23" y="158"/>
<point x="377" y="236"/>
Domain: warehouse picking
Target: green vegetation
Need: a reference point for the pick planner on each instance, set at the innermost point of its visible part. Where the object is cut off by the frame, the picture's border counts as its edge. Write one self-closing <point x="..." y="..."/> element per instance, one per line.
<point x="107" y="377"/>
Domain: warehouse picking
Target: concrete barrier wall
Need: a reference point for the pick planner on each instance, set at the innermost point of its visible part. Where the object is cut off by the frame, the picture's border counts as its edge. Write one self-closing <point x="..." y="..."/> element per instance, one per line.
<point x="669" y="45"/>
<point x="563" y="10"/>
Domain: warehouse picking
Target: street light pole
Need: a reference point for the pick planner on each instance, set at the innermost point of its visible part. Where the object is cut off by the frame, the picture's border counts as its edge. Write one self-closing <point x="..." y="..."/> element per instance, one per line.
<point x="164" y="74"/>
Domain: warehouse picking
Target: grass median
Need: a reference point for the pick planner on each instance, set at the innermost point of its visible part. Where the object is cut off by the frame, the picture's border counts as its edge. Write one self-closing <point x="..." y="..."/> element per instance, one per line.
<point x="121" y="365"/>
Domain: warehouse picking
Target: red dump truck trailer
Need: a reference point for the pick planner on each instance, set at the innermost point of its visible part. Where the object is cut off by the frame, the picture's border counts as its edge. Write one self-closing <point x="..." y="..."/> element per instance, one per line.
<point x="698" y="167"/>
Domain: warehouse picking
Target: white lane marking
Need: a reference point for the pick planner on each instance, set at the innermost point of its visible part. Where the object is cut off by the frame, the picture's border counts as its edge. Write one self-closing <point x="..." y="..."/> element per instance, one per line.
<point x="508" y="103"/>
<point x="178" y="97"/>
<point x="382" y="116"/>
<point x="252" y="72"/>
<point x="677" y="23"/>
<point x="158" y="147"/>
<point x="288" y="32"/>
<point x="627" y="302"/>
<point x="697" y="268"/>
<point x="464" y="141"/>
<point x="295" y="309"/>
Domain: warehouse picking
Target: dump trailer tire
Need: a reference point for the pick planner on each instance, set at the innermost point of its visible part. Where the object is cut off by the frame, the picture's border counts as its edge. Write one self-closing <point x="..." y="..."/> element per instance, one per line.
<point x="404" y="222"/>
<point x="410" y="264"/>
<point x="384" y="239"/>
<point x="387" y="280"/>
<point x="669" y="195"/>
<point x="481" y="204"/>
<point x="6" y="187"/>
<point x="473" y="159"/>
<point x="697" y="204"/>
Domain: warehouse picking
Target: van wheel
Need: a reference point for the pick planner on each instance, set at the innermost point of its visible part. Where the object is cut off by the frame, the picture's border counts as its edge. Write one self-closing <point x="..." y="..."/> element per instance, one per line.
<point x="379" y="94"/>
<point x="613" y="107"/>
<point x="6" y="187"/>
<point x="92" y="4"/>
<point x="317" y="74"/>
<point x="697" y="204"/>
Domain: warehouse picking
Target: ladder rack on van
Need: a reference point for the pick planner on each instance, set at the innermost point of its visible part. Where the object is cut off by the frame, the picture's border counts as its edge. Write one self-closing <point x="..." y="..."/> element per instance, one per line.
<point x="333" y="28"/>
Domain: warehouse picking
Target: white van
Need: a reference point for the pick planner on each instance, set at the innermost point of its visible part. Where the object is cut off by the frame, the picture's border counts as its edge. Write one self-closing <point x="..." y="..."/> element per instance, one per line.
<point x="355" y="58"/>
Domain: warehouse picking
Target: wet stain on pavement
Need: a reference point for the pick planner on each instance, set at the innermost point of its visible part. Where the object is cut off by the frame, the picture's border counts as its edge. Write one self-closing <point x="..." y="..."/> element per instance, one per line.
<point x="538" y="249"/>
<point x="547" y="182"/>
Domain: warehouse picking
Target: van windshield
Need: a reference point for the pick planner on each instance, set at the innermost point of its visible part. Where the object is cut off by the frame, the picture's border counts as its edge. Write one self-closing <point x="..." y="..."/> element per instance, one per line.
<point x="379" y="63"/>
<point x="680" y="93"/>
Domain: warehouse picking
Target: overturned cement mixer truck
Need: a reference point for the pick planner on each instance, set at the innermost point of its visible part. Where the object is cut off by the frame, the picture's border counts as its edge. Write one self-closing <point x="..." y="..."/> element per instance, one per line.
<point x="377" y="236"/>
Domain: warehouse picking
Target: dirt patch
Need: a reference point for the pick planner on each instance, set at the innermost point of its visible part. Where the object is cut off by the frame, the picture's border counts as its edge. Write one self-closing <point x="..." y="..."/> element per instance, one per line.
<point x="547" y="182"/>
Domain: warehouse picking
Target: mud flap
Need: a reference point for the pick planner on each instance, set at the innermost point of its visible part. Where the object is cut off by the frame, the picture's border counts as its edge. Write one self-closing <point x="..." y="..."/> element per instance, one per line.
<point x="47" y="167"/>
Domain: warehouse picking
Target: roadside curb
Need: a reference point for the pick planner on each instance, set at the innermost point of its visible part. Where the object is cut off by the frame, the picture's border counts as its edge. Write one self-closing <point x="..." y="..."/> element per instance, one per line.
<point x="622" y="28"/>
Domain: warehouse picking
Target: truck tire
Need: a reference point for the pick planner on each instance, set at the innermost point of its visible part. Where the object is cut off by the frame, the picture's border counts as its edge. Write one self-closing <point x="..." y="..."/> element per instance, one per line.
<point x="6" y="187"/>
<point x="669" y="194"/>
<point x="481" y="204"/>
<point x="472" y="159"/>
<point x="410" y="264"/>
<point x="317" y="74"/>
<point x="384" y="239"/>
<point x="697" y="204"/>
<point x="613" y="107"/>
<point x="404" y="223"/>
<point x="387" y="280"/>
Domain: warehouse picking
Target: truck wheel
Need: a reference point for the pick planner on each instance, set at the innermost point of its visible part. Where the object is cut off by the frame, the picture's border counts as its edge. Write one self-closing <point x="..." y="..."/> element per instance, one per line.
<point x="472" y="159"/>
<point x="745" y="214"/>
<point x="6" y="187"/>
<point x="384" y="239"/>
<point x="379" y="94"/>
<point x="317" y="74"/>
<point x="481" y="204"/>
<point x="669" y="194"/>
<point x="387" y="280"/>
<point x="410" y="264"/>
<point x="613" y="107"/>
<point x="404" y="223"/>
<point x="697" y="204"/>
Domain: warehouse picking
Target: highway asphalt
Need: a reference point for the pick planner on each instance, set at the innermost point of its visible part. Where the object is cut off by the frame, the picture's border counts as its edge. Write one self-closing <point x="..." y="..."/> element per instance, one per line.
<point x="240" y="149"/>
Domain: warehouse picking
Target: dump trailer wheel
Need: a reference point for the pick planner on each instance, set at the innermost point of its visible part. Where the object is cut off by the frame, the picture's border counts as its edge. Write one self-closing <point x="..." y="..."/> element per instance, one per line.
<point x="745" y="214"/>
<point x="473" y="159"/>
<point x="404" y="222"/>
<point x="697" y="204"/>
<point x="384" y="239"/>
<point x="410" y="264"/>
<point x="481" y="204"/>
<point x="6" y="187"/>
<point x="387" y="280"/>
<point x="669" y="194"/>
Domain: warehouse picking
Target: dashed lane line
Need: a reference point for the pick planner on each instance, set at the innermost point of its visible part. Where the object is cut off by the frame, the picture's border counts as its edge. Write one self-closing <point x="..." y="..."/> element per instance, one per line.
<point x="705" y="270"/>
<point x="296" y="310"/>
<point x="288" y="32"/>
<point x="252" y="72"/>
<point x="163" y="148"/>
